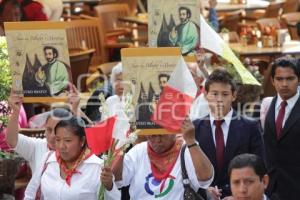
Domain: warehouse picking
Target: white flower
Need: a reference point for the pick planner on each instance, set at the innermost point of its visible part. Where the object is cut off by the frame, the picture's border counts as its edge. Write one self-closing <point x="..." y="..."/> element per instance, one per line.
<point x="104" y="157"/>
<point x="128" y="105"/>
<point x="132" y="137"/>
<point x="103" y="109"/>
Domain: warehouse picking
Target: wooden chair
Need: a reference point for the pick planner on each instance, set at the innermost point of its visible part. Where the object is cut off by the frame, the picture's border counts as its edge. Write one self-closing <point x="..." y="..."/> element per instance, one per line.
<point x="87" y="32"/>
<point x="33" y="132"/>
<point x="80" y="62"/>
<point x="290" y="20"/>
<point x="272" y="11"/>
<point x="261" y="23"/>
<point x="290" y="6"/>
<point x="132" y="4"/>
<point x="231" y="20"/>
<point x="109" y="14"/>
<point x="108" y="45"/>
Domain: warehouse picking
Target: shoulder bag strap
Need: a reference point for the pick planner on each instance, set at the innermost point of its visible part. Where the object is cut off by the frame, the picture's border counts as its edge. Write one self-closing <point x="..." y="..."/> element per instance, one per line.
<point x="39" y="191"/>
<point x="185" y="177"/>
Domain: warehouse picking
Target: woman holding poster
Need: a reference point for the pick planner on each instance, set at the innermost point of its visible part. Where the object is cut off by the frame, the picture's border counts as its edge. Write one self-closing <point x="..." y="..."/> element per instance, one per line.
<point x="153" y="168"/>
<point x="72" y="171"/>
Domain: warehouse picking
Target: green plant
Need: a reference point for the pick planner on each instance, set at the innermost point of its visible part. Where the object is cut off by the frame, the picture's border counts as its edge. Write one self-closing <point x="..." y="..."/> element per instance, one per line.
<point x="5" y="75"/>
<point x="5" y="82"/>
<point x="7" y="155"/>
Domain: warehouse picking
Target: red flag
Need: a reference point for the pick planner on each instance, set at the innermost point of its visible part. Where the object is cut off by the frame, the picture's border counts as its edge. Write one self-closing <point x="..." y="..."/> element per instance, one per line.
<point x="170" y="112"/>
<point x="99" y="137"/>
<point x="176" y="99"/>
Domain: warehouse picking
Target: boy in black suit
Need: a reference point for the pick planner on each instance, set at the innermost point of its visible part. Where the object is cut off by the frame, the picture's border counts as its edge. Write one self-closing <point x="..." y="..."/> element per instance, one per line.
<point x="281" y="132"/>
<point x="223" y="134"/>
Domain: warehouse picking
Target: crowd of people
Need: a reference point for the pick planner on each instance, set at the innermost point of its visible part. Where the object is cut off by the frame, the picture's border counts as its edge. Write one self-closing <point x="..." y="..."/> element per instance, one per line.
<point x="228" y="156"/>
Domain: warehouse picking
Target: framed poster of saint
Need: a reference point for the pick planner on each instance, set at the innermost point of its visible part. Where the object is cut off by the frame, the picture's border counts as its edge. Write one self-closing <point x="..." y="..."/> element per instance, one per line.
<point x="174" y="23"/>
<point x="146" y="72"/>
<point x="39" y="59"/>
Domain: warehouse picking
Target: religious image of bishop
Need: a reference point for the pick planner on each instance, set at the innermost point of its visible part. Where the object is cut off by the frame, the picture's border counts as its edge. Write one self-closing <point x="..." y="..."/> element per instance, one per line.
<point x="54" y="74"/>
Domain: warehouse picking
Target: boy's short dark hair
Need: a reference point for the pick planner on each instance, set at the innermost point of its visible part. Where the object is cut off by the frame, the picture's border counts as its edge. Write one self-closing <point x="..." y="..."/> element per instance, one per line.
<point x="248" y="160"/>
<point x="220" y="76"/>
<point x="286" y="62"/>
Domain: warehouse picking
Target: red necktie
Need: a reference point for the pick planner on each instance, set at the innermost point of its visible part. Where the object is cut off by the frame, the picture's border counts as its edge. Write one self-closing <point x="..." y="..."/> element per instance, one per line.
<point x="220" y="145"/>
<point x="280" y="118"/>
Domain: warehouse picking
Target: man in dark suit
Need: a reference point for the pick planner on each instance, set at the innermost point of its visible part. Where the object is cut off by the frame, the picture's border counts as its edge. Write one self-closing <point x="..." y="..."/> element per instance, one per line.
<point x="223" y="134"/>
<point x="248" y="177"/>
<point x="282" y="131"/>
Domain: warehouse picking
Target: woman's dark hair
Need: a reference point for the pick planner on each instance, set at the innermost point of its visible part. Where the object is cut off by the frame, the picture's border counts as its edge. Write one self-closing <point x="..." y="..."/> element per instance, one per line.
<point x="220" y="76"/>
<point x="59" y="114"/>
<point x="248" y="160"/>
<point x="286" y="62"/>
<point x="75" y="124"/>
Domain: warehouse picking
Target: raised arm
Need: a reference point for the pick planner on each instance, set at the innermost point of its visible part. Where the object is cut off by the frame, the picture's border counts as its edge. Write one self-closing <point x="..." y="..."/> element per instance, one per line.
<point x="200" y="58"/>
<point x="202" y="164"/>
<point x="15" y="103"/>
<point x="74" y="101"/>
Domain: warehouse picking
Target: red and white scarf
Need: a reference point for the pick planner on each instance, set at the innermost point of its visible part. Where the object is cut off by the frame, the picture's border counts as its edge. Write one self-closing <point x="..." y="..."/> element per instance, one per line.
<point x="163" y="163"/>
<point x="85" y="154"/>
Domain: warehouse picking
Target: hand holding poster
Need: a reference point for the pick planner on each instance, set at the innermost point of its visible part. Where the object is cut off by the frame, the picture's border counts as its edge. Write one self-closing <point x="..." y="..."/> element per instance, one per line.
<point x="146" y="72"/>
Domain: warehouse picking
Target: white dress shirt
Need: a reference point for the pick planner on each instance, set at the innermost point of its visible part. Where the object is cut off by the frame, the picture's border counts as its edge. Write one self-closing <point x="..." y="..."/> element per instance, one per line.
<point x="225" y="125"/>
<point x="290" y="105"/>
<point x="264" y="108"/>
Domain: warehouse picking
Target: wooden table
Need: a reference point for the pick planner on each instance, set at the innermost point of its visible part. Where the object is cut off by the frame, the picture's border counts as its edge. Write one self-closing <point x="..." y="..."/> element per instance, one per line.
<point x="140" y="20"/>
<point x="292" y="47"/>
<point x="251" y="5"/>
<point x="268" y="55"/>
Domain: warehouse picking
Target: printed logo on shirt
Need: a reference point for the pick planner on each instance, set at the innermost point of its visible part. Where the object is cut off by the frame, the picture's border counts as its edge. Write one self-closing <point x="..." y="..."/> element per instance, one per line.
<point x="158" y="188"/>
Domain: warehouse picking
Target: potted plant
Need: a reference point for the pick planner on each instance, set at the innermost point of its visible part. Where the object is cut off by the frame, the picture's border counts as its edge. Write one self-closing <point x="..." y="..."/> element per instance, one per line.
<point x="5" y="83"/>
<point x="9" y="161"/>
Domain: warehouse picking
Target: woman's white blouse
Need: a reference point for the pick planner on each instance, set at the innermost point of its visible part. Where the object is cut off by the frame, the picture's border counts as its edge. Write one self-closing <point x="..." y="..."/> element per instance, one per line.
<point x="84" y="185"/>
